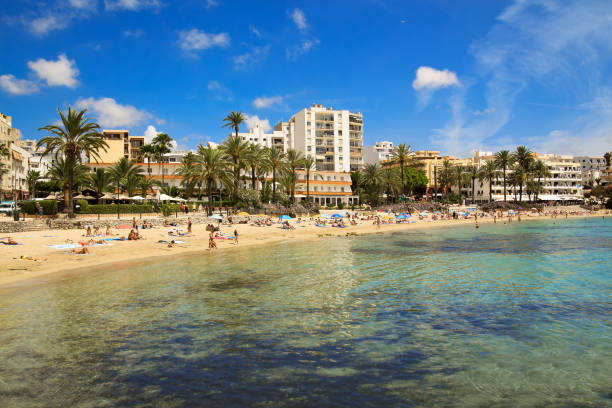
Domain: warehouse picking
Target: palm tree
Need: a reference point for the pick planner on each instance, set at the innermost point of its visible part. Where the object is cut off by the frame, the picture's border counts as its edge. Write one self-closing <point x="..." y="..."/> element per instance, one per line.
<point x="77" y="136"/>
<point x="234" y="120"/>
<point x="445" y="176"/>
<point x="132" y="183"/>
<point x="401" y="153"/>
<point x="147" y="152"/>
<point x="146" y="185"/>
<point x="172" y="191"/>
<point x="213" y="169"/>
<point x="189" y="171"/>
<point x="458" y="178"/>
<point x="504" y="161"/>
<point x="124" y="171"/>
<point x="274" y="160"/>
<point x="162" y="144"/>
<point x="293" y="161"/>
<point x="372" y="179"/>
<point x="524" y="158"/>
<point x="99" y="181"/>
<point x="516" y="180"/>
<point x="472" y="172"/>
<point x="235" y="150"/>
<point x="59" y="172"/>
<point x="254" y="158"/>
<point x="391" y="182"/>
<point x="31" y="179"/>
<point x="607" y="158"/>
<point x="308" y="164"/>
<point x="488" y="172"/>
<point x="540" y="170"/>
<point x="357" y="182"/>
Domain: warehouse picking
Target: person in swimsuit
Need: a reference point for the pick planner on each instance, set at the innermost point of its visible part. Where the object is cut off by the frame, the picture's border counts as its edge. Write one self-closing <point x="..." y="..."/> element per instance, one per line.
<point x="189" y="224"/>
<point x="211" y="241"/>
<point x="236" y="236"/>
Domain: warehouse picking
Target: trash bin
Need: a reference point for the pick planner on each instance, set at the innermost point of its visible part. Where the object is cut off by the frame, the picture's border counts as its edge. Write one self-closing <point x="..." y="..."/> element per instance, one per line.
<point x="15" y="215"/>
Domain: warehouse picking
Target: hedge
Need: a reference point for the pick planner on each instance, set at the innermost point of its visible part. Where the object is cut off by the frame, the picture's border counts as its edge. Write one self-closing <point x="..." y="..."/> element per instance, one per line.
<point x="49" y="207"/>
<point x="112" y="208"/>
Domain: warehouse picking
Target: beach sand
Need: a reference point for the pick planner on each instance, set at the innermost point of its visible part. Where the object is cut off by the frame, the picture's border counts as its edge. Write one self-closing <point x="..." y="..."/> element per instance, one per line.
<point x="54" y="263"/>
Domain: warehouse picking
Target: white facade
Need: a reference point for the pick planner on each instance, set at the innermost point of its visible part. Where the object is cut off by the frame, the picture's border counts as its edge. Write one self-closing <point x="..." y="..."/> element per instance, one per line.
<point x="280" y="138"/>
<point x="333" y="137"/>
<point x="381" y="151"/>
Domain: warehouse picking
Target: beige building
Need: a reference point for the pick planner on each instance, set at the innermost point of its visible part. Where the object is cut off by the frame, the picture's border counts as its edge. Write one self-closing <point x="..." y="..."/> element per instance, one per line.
<point x="120" y="144"/>
<point x="17" y="162"/>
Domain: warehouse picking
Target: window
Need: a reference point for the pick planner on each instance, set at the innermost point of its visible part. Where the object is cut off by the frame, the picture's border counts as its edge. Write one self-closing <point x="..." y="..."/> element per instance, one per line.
<point x="309" y="148"/>
<point x="307" y="123"/>
<point x="339" y="150"/>
<point x="328" y="178"/>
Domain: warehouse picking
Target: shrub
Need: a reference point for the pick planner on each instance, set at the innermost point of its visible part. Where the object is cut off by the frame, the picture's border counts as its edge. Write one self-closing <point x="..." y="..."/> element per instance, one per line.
<point x="340" y="205"/>
<point x="123" y="208"/>
<point x="609" y="204"/>
<point x="83" y="205"/>
<point x="249" y="198"/>
<point x="49" y="207"/>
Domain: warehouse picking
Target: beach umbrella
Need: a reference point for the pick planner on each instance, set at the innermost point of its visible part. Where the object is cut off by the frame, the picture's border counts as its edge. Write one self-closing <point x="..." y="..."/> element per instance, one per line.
<point x="243" y="213"/>
<point x="165" y="197"/>
<point x="79" y="197"/>
<point x="216" y="217"/>
<point x="337" y="216"/>
<point x="137" y="198"/>
<point x="50" y="197"/>
<point x="285" y="217"/>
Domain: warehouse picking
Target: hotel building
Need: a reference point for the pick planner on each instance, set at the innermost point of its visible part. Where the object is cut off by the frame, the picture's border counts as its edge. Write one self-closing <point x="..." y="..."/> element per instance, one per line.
<point x="17" y="162"/>
<point x="378" y="153"/>
<point x="120" y="144"/>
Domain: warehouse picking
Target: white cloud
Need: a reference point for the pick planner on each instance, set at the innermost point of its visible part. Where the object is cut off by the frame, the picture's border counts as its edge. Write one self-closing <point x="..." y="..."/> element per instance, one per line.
<point x="84" y="4"/>
<point x="251" y="57"/>
<point x="211" y="3"/>
<point x="212" y="85"/>
<point x="111" y="114"/>
<point x="253" y="121"/>
<point x="484" y="111"/>
<point x="133" y="5"/>
<point x="302" y="48"/>
<point x="17" y="86"/>
<point x="255" y="31"/>
<point x="44" y="25"/>
<point x="267" y="101"/>
<point x="299" y="19"/>
<point x="150" y="133"/>
<point x="62" y="72"/>
<point x="220" y="92"/>
<point x="196" y="40"/>
<point x="431" y="78"/>
<point x="132" y="33"/>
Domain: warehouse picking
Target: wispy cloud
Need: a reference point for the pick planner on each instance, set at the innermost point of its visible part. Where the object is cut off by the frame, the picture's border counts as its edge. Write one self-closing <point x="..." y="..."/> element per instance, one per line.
<point x="299" y="19"/>
<point x="137" y="33"/>
<point x="255" y="31"/>
<point x="300" y="49"/>
<point x="132" y="5"/>
<point x="212" y="3"/>
<point x="263" y="102"/>
<point x="197" y="40"/>
<point x="251" y="57"/>
<point x="549" y="42"/>
<point x="44" y="25"/>
<point x="221" y="92"/>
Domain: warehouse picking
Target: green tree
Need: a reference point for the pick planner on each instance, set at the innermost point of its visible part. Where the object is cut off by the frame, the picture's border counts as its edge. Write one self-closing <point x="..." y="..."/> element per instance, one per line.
<point x="402" y="154"/>
<point x="472" y="172"/>
<point x="146" y="185"/>
<point x="189" y="171"/>
<point x="308" y="164"/>
<point x="607" y="158"/>
<point x="274" y="161"/>
<point x="524" y="159"/>
<point x="416" y="179"/>
<point x="213" y="170"/>
<point x="445" y="177"/>
<point x="31" y="179"/>
<point x="254" y="159"/>
<point x="504" y="160"/>
<point x="75" y="137"/>
<point x="99" y="181"/>
<point x="293" y="161"/>
<point x="458" y="178"/>
<point x="372" y="181"/>
<point x="60" y="173"/>
<point x="148" y="153"/>
<point x="235" y="151"/>
<point x="488" y="172"/>
<point x="162" y="145"/>
<point x="540" y="171"/>
<point x="392" y="182"/>
<point x="234" y="120"/>
<point x="124" y="172"/>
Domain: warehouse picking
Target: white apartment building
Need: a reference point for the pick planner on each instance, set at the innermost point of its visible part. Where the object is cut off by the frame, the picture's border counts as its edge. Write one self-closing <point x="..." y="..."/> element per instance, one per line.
<point x="380" y="152"/>
<point x="333" y="137"/>
<point x="280" y="138"/>
<point x="17" y="162"/>
<point x="592" y="168"/>
<point x="38" y="162"/>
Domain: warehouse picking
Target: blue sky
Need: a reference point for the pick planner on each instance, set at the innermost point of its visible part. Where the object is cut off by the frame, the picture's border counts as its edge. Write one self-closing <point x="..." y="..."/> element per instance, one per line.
<point x="449" y="75"/>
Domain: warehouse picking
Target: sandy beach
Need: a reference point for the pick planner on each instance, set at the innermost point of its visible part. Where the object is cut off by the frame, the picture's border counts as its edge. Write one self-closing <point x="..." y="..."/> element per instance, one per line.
<point x="52" y="263"/>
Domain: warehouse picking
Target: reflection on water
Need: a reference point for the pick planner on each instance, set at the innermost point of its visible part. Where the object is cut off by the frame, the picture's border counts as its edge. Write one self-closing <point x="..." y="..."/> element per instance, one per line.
<point x="517" y="315"/>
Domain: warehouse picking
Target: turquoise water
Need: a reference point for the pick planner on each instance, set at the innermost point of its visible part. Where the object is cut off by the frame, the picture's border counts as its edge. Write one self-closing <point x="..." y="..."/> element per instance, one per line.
<point x="505" y="316"/>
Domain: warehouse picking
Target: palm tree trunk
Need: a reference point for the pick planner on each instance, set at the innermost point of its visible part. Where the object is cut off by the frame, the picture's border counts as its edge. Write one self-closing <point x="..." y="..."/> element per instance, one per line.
<point x="210" y="202"/>
<point x="504" y="184"/>
<point x="274" y="185"/>
<point x="307" y="186"/>
<point x="490" y="190"/>
<point x="236" y="182"/>
<point x="521" y="192"/>
<point x="539" y="188"/>
<point x="71" y="161"/>
<point x="473" y="200"/>
<point x="253" y="182"/>
<point x="402" y="172"/>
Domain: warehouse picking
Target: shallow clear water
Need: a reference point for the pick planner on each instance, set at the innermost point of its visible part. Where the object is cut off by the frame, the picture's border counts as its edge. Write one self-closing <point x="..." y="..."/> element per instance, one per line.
<point x="515" y="316"/>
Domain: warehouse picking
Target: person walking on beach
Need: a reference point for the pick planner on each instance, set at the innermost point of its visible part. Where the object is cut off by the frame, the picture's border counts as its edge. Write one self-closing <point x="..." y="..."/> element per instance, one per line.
<point x="134" y="223"/>
<point x="235" y="237"/>
<point x="211" y="242"/>
<point x="189" y="225"/>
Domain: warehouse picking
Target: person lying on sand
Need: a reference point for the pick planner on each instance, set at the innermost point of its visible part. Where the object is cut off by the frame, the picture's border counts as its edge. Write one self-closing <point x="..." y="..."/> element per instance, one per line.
<point x="81" y="251"/>
<point x="9" y="241"/>
<point x="30" y="258"/>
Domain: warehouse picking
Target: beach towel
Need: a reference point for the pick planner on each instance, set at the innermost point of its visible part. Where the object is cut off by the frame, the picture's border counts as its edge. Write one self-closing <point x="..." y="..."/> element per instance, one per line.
<point x="73" y="246"/>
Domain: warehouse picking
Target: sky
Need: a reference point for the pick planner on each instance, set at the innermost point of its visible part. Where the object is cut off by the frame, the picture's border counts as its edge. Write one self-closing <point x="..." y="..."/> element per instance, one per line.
<point x="447" y="75"/>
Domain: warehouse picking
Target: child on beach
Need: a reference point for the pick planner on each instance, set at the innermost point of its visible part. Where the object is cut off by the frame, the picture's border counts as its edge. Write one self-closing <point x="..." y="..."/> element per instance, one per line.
<point x="189" y="225"/>
<point x="236" y="237"/>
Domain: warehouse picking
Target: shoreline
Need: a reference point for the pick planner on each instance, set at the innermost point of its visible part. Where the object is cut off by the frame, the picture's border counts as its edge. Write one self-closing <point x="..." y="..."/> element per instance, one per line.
<point x="56" y="265"/>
